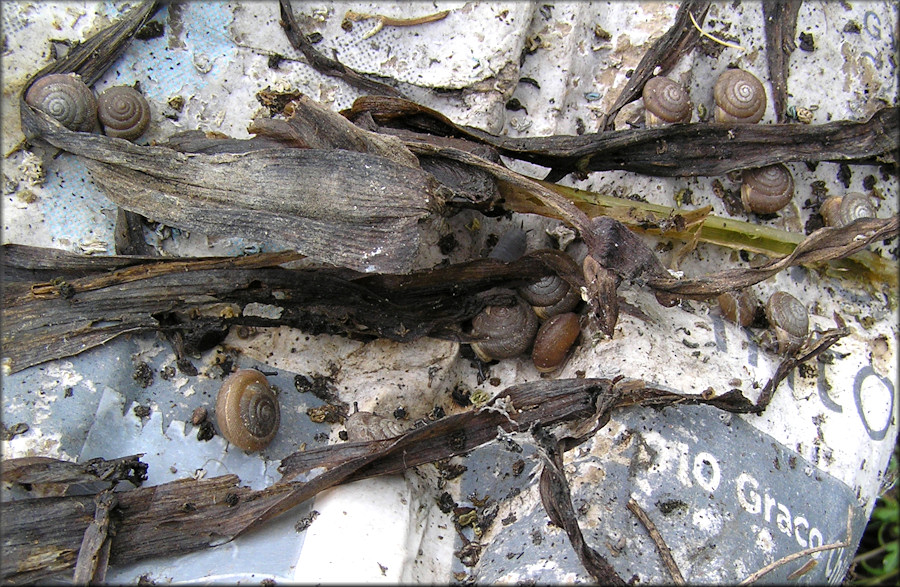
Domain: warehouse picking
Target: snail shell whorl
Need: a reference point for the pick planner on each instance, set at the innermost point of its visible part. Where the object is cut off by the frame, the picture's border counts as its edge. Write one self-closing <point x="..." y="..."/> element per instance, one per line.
<point x="740" y="97"/>
<point x="738" y="307"/>
<point x="767" y="190"/>
<point x="506" y="331"/>
<point x="665" y="101"/>
<point x="66" y="98"/>
<point x="549" y="296"/>
<point x="123" y="112"/>
<point x="553" y="341"/>
<point x="842" y="210"/>
<point x="789" y="319"/>
<point x="247" y="410"/>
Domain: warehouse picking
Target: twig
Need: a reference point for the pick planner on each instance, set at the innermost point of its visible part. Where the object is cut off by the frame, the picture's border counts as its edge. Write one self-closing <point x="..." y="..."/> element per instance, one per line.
<point x="657" y="538"/>
<point x="711" y="37"/>
<point x="390" y="21"/>
<point x="792" y="557"/>
<point x="93" y="556"/>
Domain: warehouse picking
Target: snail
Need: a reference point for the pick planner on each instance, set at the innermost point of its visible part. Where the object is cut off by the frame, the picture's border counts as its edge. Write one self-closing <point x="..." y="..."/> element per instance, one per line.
<point x="766" y="190"/>
<point x="553" y="341"/>
<point x="247" y="410"/>
<point x="842" y="210"/>
<point x="740" y="97"/>
<point x="738" y="307"/>
<point x="789" y="320"/>
<point x="366" y="426"/>
<point x="549" y="296"/>
<point x="123" y="112"/>
<point x="506" y="331"/>
<point x="66" y="98"/>
<point x="510" y="246"/>
<point x="665" y="102"/>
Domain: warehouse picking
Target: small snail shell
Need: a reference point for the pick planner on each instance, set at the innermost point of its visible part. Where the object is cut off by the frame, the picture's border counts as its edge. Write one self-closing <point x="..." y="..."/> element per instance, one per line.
<point x="842" y="210"/>
<point x="510" y="246"/>
<point x="767" y="190"/>
<point x="740" y="97"/>
<point x="549" y="296"/>
<point x="738" y="307"/>
<point x="123" y="112"/>
<point x="553" y="341"/>
<point x="506" y="331"/>
<point x="247" y="410"/>
<point x="789" y="320"/>
<point x="66" y="98"/>
<point x="366" y="426"/>
<point x="665" y="102"/>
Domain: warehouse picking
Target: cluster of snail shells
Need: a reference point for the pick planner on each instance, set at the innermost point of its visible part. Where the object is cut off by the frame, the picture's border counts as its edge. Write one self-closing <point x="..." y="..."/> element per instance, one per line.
<point x="121" y="110"/>
<point x="509" y="331"/>
<point x="787" y="316"/>
<point x="840" y="211"/>
<point x="247" y="410"/>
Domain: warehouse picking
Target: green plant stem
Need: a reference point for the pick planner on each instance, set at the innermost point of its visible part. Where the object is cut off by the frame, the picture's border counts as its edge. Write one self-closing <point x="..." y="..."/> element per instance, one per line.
<point x="872" y="553"/>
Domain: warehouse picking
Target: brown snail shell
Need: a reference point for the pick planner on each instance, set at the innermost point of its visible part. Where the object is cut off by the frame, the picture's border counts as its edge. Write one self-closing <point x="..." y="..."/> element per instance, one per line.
<point x="738" y="306"/>
<point x="554" y="340"/>
<point x="123" y="112"/>
<point x="247" y="410"/>
<point x="789" y="320"/>
<point x="665" y="102"/>
<point x="66" y="98"/>
<point x="740" y="97"/>
<point x="766" y="190"/>
<point x="842" y="210"/>
<point x="506" y="331"/>
<point x="549" y="296"/>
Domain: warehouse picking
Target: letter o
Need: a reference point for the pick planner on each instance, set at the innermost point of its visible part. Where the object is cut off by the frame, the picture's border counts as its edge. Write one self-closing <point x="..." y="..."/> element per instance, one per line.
<point x="712" y="483"/>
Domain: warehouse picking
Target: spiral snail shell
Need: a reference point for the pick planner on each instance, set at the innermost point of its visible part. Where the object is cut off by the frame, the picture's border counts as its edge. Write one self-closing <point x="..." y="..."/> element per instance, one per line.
<point x="366" y="426"/>
<point x="766" y="190"/>
<point x="549" y="296"/>
<point x="665" y="102"/>
<point x="740" y="97"/>
<point x="842" y="210"/>
<point x="738" y="306"/>
<point x="505" y="331"/>
<point x="247" y="410"/>
<point x="123" y="112"/>
<point x="66" y="98"/>
<point x="789" y="321"/>
<point x="553" y="341"/>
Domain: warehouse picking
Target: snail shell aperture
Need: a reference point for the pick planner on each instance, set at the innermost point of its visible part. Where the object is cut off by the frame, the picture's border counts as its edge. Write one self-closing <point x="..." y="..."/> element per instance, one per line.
<point x="66" y="98"/>
<point x="842" y="210"/>
<point x="247" y="410"/>
<point x="767" y="190"/>
<point x="123" y="112"/>
<point x="738" y="307"/>
<point x="549" y="296"/>
<point x="505" y="331"/>
<point x="740" y="97"/>
<point x="553" y="341"/>
<point x="789" y="320"/>
<point x="665" y="102"/>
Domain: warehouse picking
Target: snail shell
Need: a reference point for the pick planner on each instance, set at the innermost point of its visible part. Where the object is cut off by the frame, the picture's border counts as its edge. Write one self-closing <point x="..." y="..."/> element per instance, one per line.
<point x="247" y="410"/>
<point x="506" y="331"/>
<point x="549" y="296"/>
<point x="665" y="102"/>
<point x="554" y="340"/>
<point x="123" y="112"/>
<point x="740" y="97"/>
<point x="738" y="306"/>
<point x="789" y="320"/>
<point x="366" y="426"/>
<point x="510" y="246"/>
<point x="767" y="190"/>
<point x="842" y="210"/>
<point x="66" y="98"/>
